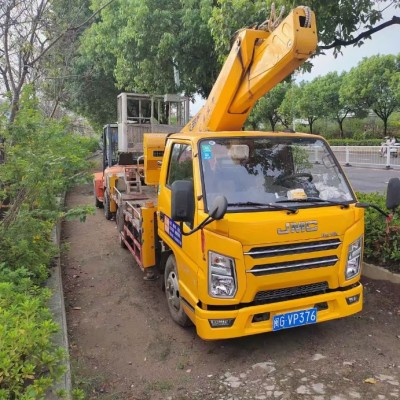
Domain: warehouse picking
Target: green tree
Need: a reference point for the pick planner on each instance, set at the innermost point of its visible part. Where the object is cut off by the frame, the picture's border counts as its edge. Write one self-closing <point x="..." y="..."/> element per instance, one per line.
<point x="56" y="65"/>
<point x="267" y="108"/>
<point x="374" y="84"/>
<point x="289" y="110"/>
<point x="328" y="88"/>
<point x="310" y="102"/>
<point x="150" y="47"/>
<point x="91" y="91"/>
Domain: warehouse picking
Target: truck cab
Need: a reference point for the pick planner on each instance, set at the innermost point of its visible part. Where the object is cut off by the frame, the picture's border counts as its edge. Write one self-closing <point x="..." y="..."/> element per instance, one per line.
<point x="276" y="250"/>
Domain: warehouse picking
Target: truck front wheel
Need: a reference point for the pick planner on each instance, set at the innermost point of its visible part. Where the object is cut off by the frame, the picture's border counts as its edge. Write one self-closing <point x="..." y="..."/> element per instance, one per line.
<point x="172" y="293"/>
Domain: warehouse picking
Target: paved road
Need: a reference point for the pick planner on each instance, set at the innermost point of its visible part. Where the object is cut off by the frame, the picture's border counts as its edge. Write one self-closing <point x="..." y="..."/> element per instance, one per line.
<point x="368" y="180"/>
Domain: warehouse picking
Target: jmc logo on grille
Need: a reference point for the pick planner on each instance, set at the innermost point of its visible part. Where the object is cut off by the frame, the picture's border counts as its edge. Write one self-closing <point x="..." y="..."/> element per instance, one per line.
<point x="298" y="227"/>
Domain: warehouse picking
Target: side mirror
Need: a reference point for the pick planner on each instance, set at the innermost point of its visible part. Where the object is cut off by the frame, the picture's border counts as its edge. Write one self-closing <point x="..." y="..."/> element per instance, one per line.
<point x="393" y="194"/>
<point x="218" y="208"/>
<point x="182" y="201"/>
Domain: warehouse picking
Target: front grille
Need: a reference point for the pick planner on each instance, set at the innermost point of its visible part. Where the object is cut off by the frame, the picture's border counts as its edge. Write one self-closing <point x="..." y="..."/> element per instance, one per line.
<point x="290" y="266"/>
<point x="270" y="296"/>
<point x="294" y="248"/>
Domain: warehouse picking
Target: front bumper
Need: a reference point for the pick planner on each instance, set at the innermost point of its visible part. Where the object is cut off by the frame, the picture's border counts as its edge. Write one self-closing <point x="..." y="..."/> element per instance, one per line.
<point x="243" y="325"/>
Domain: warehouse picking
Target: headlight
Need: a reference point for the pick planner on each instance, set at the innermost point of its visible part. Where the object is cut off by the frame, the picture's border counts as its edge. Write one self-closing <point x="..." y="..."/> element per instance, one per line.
<point x="221" y="276"/>
<point x="354" y="254"/>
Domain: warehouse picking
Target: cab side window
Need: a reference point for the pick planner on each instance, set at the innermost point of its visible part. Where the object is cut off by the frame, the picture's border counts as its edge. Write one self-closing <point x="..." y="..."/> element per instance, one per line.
<point x="181" y="163"/>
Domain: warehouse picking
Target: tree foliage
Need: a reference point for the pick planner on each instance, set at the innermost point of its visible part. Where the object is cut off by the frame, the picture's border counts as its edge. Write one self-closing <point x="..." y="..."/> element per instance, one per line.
<point x="289" y="109"/>
<point x="332" y="105"/>
<point x="310" y="102"/>
<point x="338" y="22"/>
<point x="147" y="48"/>
<point x="374" y="84"/>
<point x="267" y="108"/>
<point x="91" y="92"/>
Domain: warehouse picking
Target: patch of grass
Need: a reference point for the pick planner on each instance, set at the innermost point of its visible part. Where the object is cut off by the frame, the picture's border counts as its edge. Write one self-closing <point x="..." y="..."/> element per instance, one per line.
<point x="183" y="361"/>
<point x="159" y="386"/>
<point x="180" y="365"/>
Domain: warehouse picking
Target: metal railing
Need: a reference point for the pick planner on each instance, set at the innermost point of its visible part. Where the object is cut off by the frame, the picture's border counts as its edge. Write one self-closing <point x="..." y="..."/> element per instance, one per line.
<point x="368" y="156"/>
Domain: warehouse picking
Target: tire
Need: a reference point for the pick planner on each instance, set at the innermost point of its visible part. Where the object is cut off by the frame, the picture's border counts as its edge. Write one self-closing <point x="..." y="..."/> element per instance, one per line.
<point x="172" y="293"/>
<point x="97" y="202"/>
<point x="119" y="219"/>
<point x="107" y="213"/>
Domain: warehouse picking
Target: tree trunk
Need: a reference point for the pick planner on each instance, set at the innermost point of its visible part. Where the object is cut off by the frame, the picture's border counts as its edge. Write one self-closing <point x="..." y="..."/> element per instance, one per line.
<point x="385" y="124"/>
<point x="14" y="108"/>
<point x="272" y="123"/>
<point x="340" y="122"/>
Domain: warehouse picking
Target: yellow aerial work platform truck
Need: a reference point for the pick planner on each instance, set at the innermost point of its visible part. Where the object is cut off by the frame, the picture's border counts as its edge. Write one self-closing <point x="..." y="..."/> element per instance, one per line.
<point x="251" y="231"/>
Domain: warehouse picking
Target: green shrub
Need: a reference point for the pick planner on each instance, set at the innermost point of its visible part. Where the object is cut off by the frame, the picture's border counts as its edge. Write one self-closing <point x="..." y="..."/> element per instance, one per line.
<point x="27" y="244"/>
<point x="44" y="158"/>
<point x="382" y="242"/>
<point x="28" y="360"/>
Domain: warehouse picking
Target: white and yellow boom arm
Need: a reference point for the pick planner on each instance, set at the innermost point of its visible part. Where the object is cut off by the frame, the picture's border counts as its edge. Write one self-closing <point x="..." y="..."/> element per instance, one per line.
<point x="258" y="61"/>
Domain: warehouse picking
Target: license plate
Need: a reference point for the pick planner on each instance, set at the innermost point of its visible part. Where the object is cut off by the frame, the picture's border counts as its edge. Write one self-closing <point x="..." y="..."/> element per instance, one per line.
<point x="295" y="318"/>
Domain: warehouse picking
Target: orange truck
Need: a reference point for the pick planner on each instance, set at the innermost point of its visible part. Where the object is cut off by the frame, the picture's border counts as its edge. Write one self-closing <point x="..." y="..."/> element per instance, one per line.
<point x="251" y="232"/>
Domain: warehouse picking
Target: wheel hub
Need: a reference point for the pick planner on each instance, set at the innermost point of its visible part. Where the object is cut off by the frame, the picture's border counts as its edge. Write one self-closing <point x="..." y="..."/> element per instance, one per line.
<point x="172" y="290"/>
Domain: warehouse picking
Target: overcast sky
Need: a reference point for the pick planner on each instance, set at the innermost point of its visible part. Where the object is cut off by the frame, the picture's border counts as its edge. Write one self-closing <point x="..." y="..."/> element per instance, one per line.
<point x="386" y="41"/>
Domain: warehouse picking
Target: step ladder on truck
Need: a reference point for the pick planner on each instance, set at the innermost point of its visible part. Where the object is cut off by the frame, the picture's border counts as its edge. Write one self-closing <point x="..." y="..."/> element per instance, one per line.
<point x="250" y="232"/>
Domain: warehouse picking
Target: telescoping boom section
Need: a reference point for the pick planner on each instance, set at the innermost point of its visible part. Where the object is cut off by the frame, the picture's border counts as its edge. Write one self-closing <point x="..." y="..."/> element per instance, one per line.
<point x="258" y="61"/>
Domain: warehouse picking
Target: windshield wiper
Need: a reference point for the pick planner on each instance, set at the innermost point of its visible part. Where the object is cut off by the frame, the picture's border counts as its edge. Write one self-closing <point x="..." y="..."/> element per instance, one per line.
<point x="315" y="200"/>
<point x="292" y="210"/>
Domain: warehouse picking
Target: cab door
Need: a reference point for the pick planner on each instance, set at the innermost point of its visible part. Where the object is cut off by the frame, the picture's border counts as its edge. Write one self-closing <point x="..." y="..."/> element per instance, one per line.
<point x="179" y="156"/>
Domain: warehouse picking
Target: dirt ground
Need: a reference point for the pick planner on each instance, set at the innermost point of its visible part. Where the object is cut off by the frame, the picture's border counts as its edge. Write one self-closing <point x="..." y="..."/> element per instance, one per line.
<point x="124" y="345"/>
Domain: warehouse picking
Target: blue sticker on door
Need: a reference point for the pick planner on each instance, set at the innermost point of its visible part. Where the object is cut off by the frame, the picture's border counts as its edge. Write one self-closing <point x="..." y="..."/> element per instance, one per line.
<point x="173" y="230"/>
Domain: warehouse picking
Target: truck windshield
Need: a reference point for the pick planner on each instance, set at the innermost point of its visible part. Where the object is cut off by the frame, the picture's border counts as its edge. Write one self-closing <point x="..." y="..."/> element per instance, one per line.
<point x="251" y="172"/>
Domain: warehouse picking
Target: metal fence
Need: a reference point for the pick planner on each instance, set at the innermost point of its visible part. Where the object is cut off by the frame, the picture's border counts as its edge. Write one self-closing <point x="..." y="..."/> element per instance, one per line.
<point x="368" y="156"/>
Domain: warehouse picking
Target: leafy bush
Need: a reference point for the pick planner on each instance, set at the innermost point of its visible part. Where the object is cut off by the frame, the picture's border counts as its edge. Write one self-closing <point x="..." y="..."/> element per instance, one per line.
<point x="27" y="355"/>
<point x="27" y="244"/>
<point x="44" y="158"/>
<point x="382" y="242"/>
